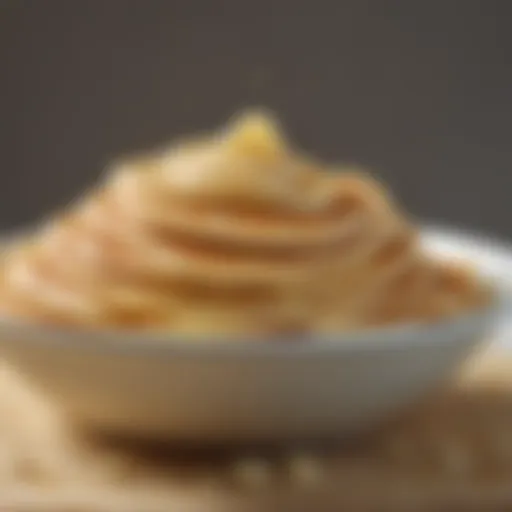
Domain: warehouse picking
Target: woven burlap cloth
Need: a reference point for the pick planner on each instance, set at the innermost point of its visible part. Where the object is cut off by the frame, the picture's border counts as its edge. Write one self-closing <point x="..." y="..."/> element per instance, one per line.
<point x="452" y="452"/>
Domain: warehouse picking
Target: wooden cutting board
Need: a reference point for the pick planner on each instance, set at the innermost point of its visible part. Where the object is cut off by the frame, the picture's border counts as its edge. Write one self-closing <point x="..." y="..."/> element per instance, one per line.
<point x="453" y="452"/>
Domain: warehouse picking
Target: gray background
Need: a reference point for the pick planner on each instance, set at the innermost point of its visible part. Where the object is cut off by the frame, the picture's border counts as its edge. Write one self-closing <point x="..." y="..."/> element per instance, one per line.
<point x="418" y="90"/>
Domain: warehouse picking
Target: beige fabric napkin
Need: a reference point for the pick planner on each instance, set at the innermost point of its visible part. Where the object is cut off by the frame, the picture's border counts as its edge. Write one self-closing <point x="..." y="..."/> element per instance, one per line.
<point x="452" y="452"/>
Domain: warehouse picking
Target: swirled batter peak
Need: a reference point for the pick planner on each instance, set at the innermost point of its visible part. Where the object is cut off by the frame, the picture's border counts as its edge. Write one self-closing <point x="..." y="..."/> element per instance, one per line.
<point x="233" y="233"/>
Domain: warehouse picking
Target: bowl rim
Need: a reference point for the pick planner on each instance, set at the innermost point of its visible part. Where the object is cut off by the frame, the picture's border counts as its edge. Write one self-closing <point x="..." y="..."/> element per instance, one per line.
<point x="394" y="336"/>
<point x="136" y="343"/>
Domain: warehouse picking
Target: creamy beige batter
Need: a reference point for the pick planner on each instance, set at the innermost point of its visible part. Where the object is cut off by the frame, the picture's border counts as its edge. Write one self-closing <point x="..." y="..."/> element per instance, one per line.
<point x="233" y="233"/>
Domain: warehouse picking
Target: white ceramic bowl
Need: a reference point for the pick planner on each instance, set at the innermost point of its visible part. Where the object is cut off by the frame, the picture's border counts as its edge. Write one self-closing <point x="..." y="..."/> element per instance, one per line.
<point x="245" y="391"/>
